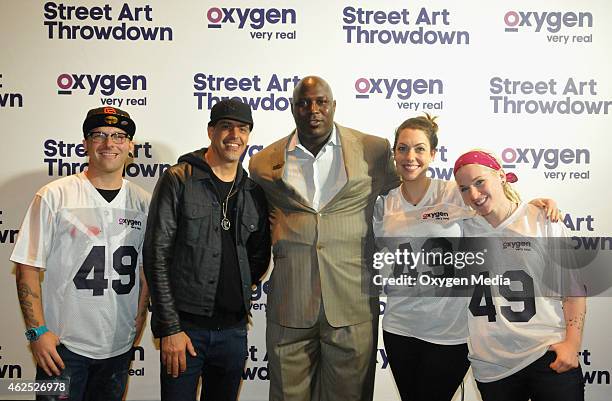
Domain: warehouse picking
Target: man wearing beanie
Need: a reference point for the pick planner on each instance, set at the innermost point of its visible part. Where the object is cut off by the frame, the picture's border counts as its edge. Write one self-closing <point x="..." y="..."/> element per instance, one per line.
<point x="207" y="243"/>
<point x="85" y="231"/>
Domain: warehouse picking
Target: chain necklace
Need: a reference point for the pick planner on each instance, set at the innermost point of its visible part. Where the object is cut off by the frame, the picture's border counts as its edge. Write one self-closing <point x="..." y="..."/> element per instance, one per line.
<point x="225" y="223"/>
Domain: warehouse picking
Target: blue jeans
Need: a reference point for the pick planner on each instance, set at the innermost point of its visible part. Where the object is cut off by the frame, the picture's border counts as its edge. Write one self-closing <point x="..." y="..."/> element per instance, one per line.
<point x="90" y="379"/>
<point x="220" y="360"/>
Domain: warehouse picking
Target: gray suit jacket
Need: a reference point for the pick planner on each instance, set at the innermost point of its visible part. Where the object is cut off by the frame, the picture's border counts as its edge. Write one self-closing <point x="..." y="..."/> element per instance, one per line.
<point x="324" y="256"/>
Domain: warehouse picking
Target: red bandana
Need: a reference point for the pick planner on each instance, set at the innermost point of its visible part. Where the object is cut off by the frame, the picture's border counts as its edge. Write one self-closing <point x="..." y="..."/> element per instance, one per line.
<point x="484" y="159"/>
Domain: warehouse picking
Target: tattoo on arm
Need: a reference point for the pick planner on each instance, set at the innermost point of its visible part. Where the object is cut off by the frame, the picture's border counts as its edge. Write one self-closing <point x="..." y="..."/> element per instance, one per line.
<point x="24" y="292"/>
<point x="576" y="321"/>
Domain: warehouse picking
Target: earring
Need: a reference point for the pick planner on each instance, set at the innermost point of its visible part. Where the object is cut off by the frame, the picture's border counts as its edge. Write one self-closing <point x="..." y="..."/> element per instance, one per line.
<point x="130" y="155"/>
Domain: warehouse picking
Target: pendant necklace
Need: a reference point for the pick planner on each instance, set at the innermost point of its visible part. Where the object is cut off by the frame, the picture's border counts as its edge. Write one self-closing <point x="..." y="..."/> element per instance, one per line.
<point x="225" y="223"/>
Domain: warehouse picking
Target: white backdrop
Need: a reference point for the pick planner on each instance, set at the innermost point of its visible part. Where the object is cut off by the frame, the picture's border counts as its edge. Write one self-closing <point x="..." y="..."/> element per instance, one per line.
<point x="528" y="79"/>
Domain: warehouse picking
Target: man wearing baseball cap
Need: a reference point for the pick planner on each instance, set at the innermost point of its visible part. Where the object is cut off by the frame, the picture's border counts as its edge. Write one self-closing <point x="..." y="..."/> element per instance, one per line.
<point x="85" y="231"/>
<point x="207" y="243"/>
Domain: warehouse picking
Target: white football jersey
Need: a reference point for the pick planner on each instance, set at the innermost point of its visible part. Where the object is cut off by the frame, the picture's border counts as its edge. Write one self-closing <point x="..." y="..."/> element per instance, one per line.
<point x="90" y="250"/>
<point x="506" y="335"/>
<point x="417" y="311"/>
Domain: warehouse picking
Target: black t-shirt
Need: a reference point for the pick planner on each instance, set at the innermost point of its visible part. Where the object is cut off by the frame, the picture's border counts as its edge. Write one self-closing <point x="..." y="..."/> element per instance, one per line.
<point x="108" y="194"/>
<point x="229" y="307"/>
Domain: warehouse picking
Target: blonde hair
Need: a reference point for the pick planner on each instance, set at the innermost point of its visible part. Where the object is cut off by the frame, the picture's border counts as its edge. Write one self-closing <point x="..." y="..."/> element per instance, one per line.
<point x="511" y="194"/>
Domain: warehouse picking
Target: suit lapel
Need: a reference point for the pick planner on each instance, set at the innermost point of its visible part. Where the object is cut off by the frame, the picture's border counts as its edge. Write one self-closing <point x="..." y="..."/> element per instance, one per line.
<point x="351" y="153"/>
<point x="278" y="163"/>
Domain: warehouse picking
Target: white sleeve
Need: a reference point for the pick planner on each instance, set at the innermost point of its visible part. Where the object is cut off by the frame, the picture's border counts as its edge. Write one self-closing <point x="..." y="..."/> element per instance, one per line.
<point x="567" y="260"/>
<point x="36" y="235"/>
<point x="557" y="230"/>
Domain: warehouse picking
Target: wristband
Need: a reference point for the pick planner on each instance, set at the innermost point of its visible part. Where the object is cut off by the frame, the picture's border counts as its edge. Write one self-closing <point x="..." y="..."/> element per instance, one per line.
<point x="34" y="333"/>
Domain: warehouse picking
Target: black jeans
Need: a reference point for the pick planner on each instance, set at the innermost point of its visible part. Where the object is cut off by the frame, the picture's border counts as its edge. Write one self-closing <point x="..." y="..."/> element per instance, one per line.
<point x="220" y="360"/>
<point x="424" y="371"/>
<point x="538" y="382"/>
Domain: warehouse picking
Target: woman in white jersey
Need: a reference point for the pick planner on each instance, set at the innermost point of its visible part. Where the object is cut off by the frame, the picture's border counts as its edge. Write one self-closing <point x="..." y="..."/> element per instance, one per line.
<point x="522" y="345"/>
<point x="424" y="332"/>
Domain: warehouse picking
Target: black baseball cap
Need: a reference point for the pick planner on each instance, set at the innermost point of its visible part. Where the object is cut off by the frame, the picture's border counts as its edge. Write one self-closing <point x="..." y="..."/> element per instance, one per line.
<point x="109" y="117"/>
<point x="232" y="110"/>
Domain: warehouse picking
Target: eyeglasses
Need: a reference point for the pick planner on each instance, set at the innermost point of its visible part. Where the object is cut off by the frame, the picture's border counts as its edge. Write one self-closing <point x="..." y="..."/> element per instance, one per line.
<point x="100" y="137"/>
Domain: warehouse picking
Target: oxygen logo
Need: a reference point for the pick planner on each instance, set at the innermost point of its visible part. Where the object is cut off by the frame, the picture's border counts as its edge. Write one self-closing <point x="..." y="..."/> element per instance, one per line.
<point x="214" y="16"/>
<point x="256" y="19"/>
<point x="550" y="159"/>
<point x="517" y="245"/>
<point x="553" y="24"/>
<point x="403" y="89"/>
<point x="106" y="84"/>
<point x="435" y="216"/>
<point x="552" y="21"/>
<point x="123" y="221"/>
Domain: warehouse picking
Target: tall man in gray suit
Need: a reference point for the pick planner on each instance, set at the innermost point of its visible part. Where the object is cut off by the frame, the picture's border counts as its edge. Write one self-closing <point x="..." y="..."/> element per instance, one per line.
<point x="321" y="182"/>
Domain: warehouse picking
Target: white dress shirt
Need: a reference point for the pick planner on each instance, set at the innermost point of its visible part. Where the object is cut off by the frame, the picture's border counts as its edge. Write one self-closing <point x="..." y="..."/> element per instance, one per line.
<point x="317" y="178"/>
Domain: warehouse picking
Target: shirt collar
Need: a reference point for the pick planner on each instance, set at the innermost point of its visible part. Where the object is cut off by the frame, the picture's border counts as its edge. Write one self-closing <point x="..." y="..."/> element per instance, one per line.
<point x="294" y="141"/>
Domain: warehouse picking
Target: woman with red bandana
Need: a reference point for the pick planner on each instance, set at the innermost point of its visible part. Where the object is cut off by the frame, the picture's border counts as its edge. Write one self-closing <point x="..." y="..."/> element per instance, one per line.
<point x="522" y="344"/>
<point x="424" y="331"/>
